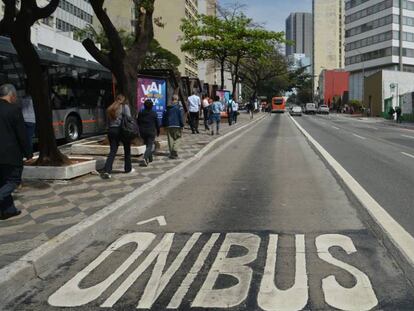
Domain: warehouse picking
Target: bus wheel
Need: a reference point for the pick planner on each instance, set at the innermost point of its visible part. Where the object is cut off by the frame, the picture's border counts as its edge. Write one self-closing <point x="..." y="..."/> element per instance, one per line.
<point x="73" y="129"/>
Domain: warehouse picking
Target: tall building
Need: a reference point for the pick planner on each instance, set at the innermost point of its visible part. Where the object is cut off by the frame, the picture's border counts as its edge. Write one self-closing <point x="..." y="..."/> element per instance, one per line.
<point x="122" y="14"/>
<point x="328" y="39"/>
<point x="299" y="32"/>
<point x="172" y="12"/>
<point x="56" y="33"/>
<point x="374" y="29"/>
<point x="207" y="70"/>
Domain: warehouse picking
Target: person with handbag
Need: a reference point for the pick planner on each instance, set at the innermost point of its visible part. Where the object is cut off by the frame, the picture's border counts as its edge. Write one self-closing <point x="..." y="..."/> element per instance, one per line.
<point x="121" y="128"/>
<point x="148" y="129"/>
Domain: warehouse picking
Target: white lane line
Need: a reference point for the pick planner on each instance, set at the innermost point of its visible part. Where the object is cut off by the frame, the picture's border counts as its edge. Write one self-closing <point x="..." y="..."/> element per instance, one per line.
<point x="408" y="155"/>
<point x="359" y="136"/>
<point x="401" y="240"/>
<point x="336" y="128"/>
<point x="408" y="136"/>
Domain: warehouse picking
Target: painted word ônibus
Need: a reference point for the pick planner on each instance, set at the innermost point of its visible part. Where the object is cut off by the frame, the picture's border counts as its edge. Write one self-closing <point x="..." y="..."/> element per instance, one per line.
<point x="360" y="297"/>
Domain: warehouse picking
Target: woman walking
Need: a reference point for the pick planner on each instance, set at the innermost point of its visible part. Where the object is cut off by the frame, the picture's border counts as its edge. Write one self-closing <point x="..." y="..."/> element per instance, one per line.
<point x="205" y="103"/>
<point x="148" y="128"/>
<point x="215" y="109"/>
<point x="115" y="112"/>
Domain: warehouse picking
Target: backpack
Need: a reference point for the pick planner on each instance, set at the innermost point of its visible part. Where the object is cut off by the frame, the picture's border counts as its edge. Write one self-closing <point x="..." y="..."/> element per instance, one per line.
<point x="129" y="127"/>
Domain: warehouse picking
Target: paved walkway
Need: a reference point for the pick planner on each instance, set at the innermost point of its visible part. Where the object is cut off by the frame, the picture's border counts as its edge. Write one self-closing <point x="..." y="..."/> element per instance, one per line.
<point x="407" y="125"/>
<point x="48" y="208"/>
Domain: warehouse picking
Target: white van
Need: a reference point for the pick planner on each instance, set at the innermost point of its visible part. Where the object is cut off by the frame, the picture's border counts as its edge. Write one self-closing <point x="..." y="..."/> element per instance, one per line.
<point x="310" y="108"/>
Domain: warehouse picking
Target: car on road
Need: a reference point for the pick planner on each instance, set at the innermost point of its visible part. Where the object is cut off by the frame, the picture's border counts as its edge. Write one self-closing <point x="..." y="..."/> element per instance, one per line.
<point x="296" y="111"/>
<point x="323" y="109"/>
<point x="310" y="108"/>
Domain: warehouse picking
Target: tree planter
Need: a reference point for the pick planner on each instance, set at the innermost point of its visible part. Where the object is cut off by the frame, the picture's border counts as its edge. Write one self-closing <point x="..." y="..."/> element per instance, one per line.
<point x="82" y="166"/>
<point x="97" y="148"/>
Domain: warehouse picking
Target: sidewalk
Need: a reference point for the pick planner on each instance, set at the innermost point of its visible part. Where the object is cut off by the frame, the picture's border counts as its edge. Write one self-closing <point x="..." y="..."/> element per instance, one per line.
<point x="48" y="208"/>
<point x="378" y="120"/>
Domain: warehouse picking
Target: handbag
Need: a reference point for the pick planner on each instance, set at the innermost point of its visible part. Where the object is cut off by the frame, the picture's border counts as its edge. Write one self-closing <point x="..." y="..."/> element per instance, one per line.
<point x="129" y="127"/>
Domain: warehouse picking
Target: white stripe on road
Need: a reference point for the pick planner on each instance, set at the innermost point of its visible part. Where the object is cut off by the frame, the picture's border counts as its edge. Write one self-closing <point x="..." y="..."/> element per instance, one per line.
<point x="397" y="235"/>
<point x="408" y="155"/>
<point x="361" y="137"/>
<point x="407" y="136"/>
<point x="336" y="128"/>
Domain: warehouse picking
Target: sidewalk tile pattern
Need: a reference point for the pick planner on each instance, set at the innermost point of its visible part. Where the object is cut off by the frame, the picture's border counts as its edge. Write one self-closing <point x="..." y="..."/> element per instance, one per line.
<point x="49" y="208"/>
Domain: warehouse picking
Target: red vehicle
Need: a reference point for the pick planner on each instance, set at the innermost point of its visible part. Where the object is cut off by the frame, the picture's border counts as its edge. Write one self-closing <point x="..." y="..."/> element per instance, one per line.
<point x="278" y="104"/>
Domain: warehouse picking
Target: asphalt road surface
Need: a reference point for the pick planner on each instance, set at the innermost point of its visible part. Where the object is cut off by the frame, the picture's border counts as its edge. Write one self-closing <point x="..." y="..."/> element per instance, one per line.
<point x="379" y="157"/>
<point x="263" y="226"/>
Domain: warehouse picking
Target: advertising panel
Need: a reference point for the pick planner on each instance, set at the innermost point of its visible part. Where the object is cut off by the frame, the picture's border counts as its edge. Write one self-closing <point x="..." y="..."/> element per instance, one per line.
<point x="155" y="90"/>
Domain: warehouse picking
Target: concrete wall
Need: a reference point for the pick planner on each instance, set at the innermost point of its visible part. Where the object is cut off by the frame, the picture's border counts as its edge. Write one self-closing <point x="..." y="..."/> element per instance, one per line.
<point x="373" y="94"/>
<point x="328" y="30"/>
<point x="378" y="86"/>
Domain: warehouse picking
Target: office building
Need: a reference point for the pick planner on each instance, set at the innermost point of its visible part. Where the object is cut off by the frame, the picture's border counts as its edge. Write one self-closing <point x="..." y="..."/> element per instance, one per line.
<point x="122" y="14"/>
<point x="379" y="36"/>
<point x="328" y="39"/>
<point x="299" y="32"/>
<point x="56" y="33"/>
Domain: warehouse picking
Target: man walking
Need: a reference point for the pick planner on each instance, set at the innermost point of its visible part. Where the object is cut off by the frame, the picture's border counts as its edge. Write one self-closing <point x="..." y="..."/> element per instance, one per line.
<point x="235" y="108"/>
<point x="15" y="147"/>
<point x="398" y="112"/>
<point x="194" y="105"/>
<point x="172" y="120"/>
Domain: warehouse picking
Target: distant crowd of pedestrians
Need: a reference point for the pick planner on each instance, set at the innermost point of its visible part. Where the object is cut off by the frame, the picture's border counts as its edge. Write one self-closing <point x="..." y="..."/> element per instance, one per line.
<point x="173" y="120"/>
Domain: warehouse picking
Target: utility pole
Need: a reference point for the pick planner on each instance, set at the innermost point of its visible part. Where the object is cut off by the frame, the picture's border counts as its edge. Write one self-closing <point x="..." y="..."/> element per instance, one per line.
<point x="401" y="19"/>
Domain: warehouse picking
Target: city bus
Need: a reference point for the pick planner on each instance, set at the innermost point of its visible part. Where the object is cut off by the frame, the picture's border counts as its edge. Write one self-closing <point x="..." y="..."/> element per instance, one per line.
<point x="278" y="104"/>
<point x="80" y="90"/>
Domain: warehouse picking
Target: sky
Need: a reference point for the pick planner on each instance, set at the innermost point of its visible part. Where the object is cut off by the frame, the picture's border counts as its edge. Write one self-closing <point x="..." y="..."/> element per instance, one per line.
<point x="272" y="13"/>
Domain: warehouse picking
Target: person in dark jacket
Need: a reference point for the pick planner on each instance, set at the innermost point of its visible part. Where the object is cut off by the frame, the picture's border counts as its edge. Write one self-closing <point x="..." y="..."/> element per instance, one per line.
<point x="148" y="129"/>
<point x="172" y="120"/>
<point x="14" y="149"/>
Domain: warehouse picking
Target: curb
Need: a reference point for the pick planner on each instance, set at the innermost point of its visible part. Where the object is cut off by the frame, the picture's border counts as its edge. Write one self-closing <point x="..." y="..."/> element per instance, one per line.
<point x="395" y="238"/>
<point x="49" y="256"/>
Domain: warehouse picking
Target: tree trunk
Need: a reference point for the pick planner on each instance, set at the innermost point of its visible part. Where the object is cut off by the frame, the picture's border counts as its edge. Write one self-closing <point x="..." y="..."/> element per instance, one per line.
<point x="222" y="64"/>
<point x="38" y="82"/>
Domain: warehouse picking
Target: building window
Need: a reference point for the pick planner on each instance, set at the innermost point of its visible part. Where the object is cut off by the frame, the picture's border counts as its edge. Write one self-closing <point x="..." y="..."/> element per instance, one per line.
<point x="369" y="11"/>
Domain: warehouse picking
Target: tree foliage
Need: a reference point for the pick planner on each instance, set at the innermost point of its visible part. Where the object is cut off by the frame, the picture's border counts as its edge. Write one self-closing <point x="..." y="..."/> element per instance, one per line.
<point x="226" y="39"/>
<point x="266" y="75"/>
<point x="156" y="57"/>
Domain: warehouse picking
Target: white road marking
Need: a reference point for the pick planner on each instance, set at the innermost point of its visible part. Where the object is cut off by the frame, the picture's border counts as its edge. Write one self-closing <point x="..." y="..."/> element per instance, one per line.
<point x="208" y="297"/>
<point x="71" y="295"/>
<point x="361" y="137"/>
<point x="189" y="279"/>
<point x="361" y="297"/>
<point x="158" y="280"/>
<point x="408" y="136"/>
<point x="270" y="298"/>
<point x="161" y="221"/>
<point x="408" y="155"/>
<point x="336" y="128"/>
<point x="397" y="235"/>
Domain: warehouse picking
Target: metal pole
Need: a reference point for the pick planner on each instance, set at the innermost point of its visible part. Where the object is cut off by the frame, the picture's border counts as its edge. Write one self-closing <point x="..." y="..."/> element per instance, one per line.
<point x="401" y="66"/>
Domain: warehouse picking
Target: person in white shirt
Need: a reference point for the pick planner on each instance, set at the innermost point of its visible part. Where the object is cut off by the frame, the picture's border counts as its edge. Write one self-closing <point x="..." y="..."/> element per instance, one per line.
<point x="235" y="108"/>
<point x="194" y="105"/>
<point x="205" y="105"/>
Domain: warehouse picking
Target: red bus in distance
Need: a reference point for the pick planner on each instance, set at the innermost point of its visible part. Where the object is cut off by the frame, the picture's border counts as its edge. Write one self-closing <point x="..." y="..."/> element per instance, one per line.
<point x="278" y="104"/>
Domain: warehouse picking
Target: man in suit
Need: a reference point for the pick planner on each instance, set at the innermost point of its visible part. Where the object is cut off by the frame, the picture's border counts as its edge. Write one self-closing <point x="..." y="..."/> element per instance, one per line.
<point x="13" y="148"/>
